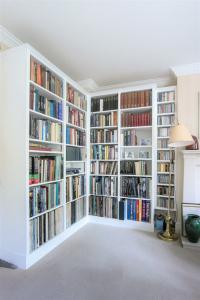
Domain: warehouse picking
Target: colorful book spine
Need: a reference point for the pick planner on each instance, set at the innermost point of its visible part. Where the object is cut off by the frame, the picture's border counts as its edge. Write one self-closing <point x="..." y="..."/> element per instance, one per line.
<point x="41" y="75"/>
<point x="103" y="207"/>
<point x="138" y="210"/>
<point x="75" y="137"/>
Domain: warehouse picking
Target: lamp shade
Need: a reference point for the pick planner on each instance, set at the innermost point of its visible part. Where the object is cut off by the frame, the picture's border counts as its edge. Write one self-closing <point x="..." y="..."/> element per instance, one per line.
<point x="180" y="136"/>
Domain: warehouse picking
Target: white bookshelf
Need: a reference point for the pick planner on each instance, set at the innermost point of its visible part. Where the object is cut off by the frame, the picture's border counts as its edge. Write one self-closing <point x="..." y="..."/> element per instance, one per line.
<point x="14" y="160"/>
<point x="165" y="94"/>
<point x="14" y="177"/>
<point x="149" y="130"/>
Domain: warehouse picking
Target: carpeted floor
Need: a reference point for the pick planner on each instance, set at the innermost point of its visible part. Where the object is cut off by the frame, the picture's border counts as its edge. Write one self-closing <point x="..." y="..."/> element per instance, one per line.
<point x="105" y="262"/>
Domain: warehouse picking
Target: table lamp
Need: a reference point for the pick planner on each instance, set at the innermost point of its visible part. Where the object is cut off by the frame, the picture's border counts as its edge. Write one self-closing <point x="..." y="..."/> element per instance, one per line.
<point x="179" y="137"/>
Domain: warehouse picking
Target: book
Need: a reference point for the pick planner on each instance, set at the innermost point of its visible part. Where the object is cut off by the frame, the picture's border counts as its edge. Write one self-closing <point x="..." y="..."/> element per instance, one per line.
<point x="103" y="207"/>
<point x="45" y="105"/>
<point x="101" y="120"/>
<point x="103" y="136"/>
<point x="41" y="75"/>
<point x="45" y="130"/>
<point x="104" y="103"/>
<point x="104" y="185"/>
<point x="76" y="98"/>
<point x="136" y="99"/>
<point x="138" y="210"/>
<point x="75" y="137"/>
<point x="45" y="168"/>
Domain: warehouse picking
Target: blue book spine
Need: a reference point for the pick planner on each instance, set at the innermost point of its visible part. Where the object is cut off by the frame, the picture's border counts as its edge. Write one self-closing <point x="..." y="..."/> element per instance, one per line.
<point x="60" y="111"/>
<point x="37" y="96"/>
<point x="128" y="209"/>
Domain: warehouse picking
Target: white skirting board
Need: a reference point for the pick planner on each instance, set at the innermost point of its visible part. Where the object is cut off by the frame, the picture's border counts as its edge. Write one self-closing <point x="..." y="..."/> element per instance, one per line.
<point x="122" y="223"/>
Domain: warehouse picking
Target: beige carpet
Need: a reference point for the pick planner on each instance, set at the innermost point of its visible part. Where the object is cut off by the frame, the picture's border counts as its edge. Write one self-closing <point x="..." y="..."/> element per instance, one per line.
<point x="104" y="262"/>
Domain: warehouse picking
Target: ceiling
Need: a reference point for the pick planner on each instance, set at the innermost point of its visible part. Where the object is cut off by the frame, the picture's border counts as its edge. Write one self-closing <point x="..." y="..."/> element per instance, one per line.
<point x="109" y="41"/>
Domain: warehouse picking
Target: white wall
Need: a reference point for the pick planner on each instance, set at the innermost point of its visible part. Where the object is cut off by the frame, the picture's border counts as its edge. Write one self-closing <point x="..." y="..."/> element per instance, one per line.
<point x="188" y="87"/>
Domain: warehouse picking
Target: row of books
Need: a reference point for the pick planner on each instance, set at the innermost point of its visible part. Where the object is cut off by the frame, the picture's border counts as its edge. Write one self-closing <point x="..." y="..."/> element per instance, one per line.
<point x="100" y="120"/>
<point x="76" y="98"/>
<point x="45" y="130"/>
<point x="166" y="96"/>
<point x="164" y="190"/>
<point x="104" y="103"/>
<point x="135" y="167"/>
<point x="46" y="78"/>
<point x="75" y="117"/>
<point x="103" y="207"/>
<point x="163" y="132"/>
<point x="163" y="202"/>
<point x="44" y="105"/>
<point x="104" y="152"/>
<point x="137" y="187"/>
<point x="139" y="210"/>
<point x="40" y="146"/>
<point x="75" y="154"/>
<point x="42" y="169"/>
<point x="136" y="99"/>
<point x="165" y="120"/>
<point x="75" y="211"/>
<point x="166" y="108"/>
<point x="45" y="227"/>
<point x="103" y="136"/>
<point x="164" y="178"/>
<point x="165" y="167"/>
<point x="75" y="187"/>
<point x="45" y="197"/>
<point x="104" y="185"/>
<point x="75" y="136"/>
<point x="129" y="137"/>
<point x="109" y="167"/>
<point x="136" y="119"/>
<point x="165" y="155"/>
<point x="162" y="143"/>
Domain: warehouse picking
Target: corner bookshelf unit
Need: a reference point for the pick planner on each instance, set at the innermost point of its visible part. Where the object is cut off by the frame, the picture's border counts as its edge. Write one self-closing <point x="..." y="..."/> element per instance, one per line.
<point x="166" y="117"/>
<point x="42" y="183"/>
<point x="68" y="158"/>
<point x="122" y="157"/>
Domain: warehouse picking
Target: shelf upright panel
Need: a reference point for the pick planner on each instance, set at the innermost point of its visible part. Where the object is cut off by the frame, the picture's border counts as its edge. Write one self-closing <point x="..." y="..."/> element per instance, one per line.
<point x="87" y="166"/>
<point x="14" y="115"/>
<point x="119" y="148"/>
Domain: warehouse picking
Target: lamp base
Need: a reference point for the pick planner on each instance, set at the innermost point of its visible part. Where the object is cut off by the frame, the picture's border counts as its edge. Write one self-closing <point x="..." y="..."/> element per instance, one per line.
<point x="167" y="236"/>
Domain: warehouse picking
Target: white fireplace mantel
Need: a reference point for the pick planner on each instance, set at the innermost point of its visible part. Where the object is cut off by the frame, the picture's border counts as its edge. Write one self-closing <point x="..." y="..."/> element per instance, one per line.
<point x="191" y="182"/>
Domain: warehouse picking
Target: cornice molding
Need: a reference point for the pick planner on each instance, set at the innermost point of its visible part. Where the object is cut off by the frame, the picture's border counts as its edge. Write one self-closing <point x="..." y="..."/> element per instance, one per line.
<point x="91" y="86"/>
<point x="188" y="69"/>
<point x="7" y="39"/>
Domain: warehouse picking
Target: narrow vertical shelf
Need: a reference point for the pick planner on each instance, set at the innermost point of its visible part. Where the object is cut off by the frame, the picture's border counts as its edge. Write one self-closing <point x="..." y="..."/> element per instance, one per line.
<point x="166" y="114"/>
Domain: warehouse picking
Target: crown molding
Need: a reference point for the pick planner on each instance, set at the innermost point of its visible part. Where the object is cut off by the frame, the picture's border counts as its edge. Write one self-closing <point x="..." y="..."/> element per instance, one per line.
<point x="7" y="39"/>
<point x="188" y="69"/>
<point x="91" y="86"/>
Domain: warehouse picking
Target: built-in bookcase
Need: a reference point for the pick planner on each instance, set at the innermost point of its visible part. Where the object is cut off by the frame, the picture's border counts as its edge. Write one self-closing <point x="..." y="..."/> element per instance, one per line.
<point x="66" y="155"/>
<point x="44" y="148"/>
<point x="122" y="155"/>
<point x="166" y="157"/>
